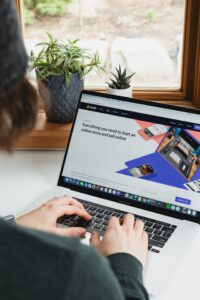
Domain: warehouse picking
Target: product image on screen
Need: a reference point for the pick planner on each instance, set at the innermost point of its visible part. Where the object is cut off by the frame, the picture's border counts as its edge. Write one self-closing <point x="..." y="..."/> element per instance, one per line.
<point x="182" y="151"/>
<point x="152" y="131"/>
<point x="176" y="159"/>
<point x="193" y="185"/>
<point x="140" y="171"/>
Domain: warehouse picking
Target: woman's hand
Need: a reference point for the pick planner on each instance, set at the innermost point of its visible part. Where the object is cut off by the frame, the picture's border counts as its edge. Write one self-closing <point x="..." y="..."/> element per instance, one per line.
<point x="44" y="218"/>
<point x="128" y="237"/>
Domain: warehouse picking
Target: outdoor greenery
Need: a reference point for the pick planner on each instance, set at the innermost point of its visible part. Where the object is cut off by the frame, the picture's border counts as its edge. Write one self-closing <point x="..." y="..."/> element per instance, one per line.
<point x="121" y="80"/>
<point x="64" y="58"/>
<point x="36" y="8"/>
<point x="29" y="16"/>
<point x="151" y="15"/>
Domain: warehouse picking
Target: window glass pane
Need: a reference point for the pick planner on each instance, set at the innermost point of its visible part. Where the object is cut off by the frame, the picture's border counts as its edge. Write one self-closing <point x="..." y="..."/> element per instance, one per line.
<point x="144" y="36"/>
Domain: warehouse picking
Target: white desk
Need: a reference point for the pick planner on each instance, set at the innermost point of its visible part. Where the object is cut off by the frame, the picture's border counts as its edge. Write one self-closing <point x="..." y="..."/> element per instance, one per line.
<point x="26" y="174"/>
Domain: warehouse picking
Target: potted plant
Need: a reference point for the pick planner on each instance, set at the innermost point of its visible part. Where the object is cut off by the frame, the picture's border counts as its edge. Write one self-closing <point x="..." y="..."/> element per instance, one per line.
<point x="120" y="84"/>
<point x="60" y="70"/>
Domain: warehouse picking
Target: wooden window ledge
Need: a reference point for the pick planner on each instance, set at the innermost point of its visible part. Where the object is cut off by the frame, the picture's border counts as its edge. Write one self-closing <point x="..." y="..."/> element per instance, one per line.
<point x="45" y="135"/>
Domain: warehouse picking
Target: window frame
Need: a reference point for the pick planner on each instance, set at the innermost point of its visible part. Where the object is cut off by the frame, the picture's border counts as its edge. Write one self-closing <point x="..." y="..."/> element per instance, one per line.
<point x="189" y="93"/>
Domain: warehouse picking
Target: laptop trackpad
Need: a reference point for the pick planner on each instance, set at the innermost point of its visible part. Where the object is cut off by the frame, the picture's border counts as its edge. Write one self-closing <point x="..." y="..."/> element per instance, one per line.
<point x="157" y="272"/>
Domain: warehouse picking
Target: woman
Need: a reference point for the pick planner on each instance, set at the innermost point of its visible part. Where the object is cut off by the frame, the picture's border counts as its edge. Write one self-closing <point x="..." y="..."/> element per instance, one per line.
<point x="37" y="259"/>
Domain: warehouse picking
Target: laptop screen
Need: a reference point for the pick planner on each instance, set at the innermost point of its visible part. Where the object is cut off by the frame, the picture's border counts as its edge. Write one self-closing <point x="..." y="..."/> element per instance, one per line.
<point x="142" y="154"/>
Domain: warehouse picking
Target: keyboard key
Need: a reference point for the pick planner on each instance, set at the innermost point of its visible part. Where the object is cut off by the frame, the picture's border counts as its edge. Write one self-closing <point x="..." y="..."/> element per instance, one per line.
<point x="93" y="208"/>
<point x="100" y="215"/>
<point x="149" y="248"/>
<point x="79" y="223"/>
<point x="66" y="222"/>
<point x="173" y="226"/>
<point x="155" y="250"/>
<point x="86" y="206"/>
<point x="148" y="224"/>
<point x="107" y="217"/>
<point x="171" y="230"/>
<point x="149" y="230"/>
<point x="100" y="210"/>
<point x="150" y="235"/>
<point x="92" y="213"/>
<point x="97" y="220"/>
<point x="158" y="232"/>
<point x="105" y="222"/>
<point x="69" y="223"/>
<point x="157" y="226"/>
<point x="158" y="244"/>
<point x="61" y="219"/>
<point x="160" y="238"/>
<point x="97" y="226"/>
<point x="167" y="234"/>
<point x="108" y="212"/>
<point x="166" y="228"/>
<point x="116" y="215"/>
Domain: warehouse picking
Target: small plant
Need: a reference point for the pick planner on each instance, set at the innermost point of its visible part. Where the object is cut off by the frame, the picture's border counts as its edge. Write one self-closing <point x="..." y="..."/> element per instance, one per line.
<point x="63" y="59"/>
<point x="121" y="80"/>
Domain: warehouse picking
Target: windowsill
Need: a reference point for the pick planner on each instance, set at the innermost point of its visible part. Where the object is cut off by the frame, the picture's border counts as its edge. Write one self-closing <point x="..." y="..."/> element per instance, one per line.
<point x="45" y="135"/>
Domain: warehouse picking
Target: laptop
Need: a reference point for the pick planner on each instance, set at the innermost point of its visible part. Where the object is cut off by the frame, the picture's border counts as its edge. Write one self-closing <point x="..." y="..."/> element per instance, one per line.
<point x="139" y="157"/>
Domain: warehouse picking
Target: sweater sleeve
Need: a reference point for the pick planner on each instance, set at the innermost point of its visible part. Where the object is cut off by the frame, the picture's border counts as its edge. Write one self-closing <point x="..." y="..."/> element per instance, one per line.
<point x="93" y="278"/>
<point x="128" y="271"/>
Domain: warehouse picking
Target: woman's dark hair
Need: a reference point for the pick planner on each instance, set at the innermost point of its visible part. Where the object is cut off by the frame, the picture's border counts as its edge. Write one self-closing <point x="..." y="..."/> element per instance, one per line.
<point x="18" y="111"/>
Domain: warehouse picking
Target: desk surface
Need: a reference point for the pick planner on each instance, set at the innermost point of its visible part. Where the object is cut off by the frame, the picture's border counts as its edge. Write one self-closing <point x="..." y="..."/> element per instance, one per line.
<point x="27" y="174"/>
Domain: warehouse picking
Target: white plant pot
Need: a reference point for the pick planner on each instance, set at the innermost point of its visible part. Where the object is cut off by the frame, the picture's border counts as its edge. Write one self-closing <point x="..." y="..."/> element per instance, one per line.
<point x="123" y="92"/>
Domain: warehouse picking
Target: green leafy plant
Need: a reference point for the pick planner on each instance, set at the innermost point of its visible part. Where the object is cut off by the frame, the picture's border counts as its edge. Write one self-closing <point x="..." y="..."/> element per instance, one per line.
<point x="63" y="59"/>
<point x="121" y="80"/>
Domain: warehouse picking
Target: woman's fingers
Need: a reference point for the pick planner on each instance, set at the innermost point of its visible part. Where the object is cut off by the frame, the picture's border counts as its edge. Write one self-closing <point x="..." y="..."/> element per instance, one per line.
<point x="73" y="210"/>
<point x="65" y="200"/>
<point x="73" y="201"/>
<point x="113" y="222"/>
<point x="139" y="227"/>
<point x="128" y="221"/>
<point x="94" y="239"/>
<point x="145" y="237"/>
<point x="66" y="206"/>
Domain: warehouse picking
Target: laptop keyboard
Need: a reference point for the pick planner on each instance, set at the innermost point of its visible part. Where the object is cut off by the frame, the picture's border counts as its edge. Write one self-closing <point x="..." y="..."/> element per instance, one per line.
<point x="158" y="232"/>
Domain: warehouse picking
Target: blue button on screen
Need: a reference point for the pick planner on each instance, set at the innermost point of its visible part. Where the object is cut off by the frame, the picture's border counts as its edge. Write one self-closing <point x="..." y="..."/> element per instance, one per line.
<point x="183" y="200"/>
<point x="197" y="127"/>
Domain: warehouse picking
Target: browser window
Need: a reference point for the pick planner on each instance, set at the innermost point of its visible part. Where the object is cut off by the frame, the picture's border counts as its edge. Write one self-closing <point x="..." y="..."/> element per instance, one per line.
<point x="137" y="153"/>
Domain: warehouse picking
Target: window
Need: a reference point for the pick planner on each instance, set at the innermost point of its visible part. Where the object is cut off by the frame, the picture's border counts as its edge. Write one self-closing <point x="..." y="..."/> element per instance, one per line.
<point x="158" y="39"/>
